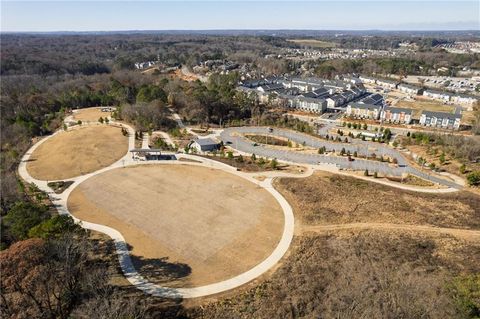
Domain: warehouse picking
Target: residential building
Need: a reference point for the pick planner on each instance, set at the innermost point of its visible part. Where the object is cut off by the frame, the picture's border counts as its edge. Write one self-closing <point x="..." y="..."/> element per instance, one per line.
<point x="307" y="104"/>
<point x="437" y="95"/>
<point x="376" y="99"/>
<point x="367" y="79"/>
<point x="387" y="84"/>
<point x="464" y="99"/>
<point x="364" y="111"/>
<point x="270" y="87"/>
<point x="335" y="100"/>
<point x="409" y="89"/>
<point x="397" y="115"/>
<point x="441" y="119"/>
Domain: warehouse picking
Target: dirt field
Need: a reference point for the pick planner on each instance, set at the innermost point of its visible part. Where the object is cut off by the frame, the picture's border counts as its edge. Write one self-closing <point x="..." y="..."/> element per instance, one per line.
<point x="186" y="225"/>
<point x="77" y="152"/>
<point x="91" y="114"/>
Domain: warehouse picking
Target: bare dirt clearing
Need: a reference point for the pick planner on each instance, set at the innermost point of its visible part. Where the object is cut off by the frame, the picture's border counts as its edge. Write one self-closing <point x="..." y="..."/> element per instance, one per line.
<point x="77" y="152"/>
<point x="91" y="114"/>
<point x="186" y="225"/>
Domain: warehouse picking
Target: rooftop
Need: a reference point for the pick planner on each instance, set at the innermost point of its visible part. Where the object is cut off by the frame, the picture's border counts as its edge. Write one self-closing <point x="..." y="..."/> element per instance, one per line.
<point x="365" y="106"/>
<point x="442" y="114"/>
<point x="205" y="141"/>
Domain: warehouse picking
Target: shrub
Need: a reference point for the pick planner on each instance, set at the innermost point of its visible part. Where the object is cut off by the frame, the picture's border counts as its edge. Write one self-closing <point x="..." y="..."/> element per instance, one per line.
<point x="474" y="178"/>
<point x="274" y="163"/>
<point x="365" y="173"/>
<point x="54" y="227"/>
<point x="465" y="291"/>
<point x="442" y="158"/>
<point x="229" y="155"/>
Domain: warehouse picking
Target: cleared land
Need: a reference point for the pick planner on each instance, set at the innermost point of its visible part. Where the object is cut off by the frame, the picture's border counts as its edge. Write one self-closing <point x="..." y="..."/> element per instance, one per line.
<point x="91" y="114"/>
<point x="77" y="152"/>
<point x="186" y="225"/>
<point x="359" y="274"/>
<point x="325" y="198"/>
<point x="313" y="43"/>
<point x="366" y="269"/>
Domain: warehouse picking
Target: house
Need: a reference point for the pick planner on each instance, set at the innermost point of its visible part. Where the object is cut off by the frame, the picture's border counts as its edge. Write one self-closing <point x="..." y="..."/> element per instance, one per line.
<point x="387" y="84"/>
<point x="376" y="99"/>
<point x="397" y="115"/>
<point x="364" y="111"/>
<point x="203" y="145"/>
<point x="441" y="119"/>
<point x="437" y="95"/>
<point x="409" y="89"/>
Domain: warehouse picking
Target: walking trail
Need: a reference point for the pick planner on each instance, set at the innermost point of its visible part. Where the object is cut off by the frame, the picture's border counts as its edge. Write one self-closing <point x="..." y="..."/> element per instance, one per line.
<point x="131" y="274"/>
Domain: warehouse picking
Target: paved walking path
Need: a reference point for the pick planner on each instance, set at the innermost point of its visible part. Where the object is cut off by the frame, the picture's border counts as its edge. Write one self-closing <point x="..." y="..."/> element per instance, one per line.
<point x="131" y="274"/>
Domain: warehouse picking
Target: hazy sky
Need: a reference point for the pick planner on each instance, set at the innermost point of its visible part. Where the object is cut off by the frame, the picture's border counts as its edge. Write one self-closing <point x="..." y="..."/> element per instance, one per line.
<point x="200" y="15"/>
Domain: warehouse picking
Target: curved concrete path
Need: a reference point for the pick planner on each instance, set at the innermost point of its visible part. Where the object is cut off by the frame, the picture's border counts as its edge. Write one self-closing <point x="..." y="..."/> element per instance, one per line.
<point x="131" y="274"/>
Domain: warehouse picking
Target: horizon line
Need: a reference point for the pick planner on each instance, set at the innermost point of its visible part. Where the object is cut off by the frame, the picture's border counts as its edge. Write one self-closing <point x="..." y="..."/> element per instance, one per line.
<point x="244" y="29"/>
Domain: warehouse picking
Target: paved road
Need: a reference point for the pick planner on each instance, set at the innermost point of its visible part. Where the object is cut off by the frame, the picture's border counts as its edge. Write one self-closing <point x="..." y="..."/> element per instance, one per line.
<point x="233" y="137"/>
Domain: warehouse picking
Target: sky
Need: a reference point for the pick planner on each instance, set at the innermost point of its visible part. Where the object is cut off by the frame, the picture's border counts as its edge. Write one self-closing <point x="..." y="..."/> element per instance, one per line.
<point x="43" y="16"/>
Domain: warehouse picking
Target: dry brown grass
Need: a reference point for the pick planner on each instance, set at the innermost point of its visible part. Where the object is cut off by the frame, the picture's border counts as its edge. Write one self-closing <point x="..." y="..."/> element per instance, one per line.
<point x="367" y="274"/>
<point x="187" y="225"/>
<point x="77" y="152"/>
<point x="325" y="198"/>
<point x="313" y="43"/>
<point x="91" y="114"/>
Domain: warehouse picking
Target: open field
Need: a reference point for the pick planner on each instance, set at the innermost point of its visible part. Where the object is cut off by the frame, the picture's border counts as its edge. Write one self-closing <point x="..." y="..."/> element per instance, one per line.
<point x="358" y="274"/>
<point x="77" y="152"/>
<point x="313" y="43"/>
<point x="186" y="225"/>
<point x="369" y="270"/>
<point x="91" y="114"/>
<point x="325" y="198"/>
